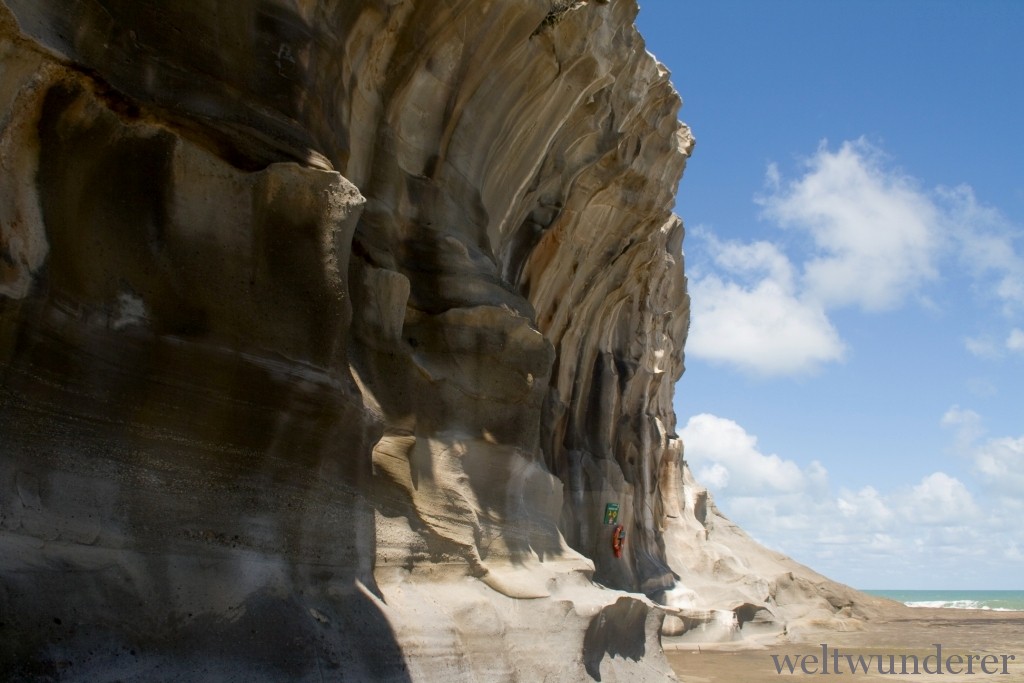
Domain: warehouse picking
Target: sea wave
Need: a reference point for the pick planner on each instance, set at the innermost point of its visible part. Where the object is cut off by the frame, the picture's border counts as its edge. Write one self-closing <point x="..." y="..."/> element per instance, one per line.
<point x="957" y="604"/>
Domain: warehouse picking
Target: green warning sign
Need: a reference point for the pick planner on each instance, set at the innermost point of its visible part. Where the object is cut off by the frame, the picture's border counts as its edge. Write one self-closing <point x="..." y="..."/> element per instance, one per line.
<point x="611" y="513"/>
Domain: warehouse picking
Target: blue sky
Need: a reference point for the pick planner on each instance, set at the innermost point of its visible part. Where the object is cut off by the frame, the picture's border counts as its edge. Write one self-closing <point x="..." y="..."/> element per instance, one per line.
<point x="854" y="393"/>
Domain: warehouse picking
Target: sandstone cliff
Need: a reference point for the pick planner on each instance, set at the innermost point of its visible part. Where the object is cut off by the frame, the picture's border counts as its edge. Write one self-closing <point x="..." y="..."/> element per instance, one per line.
<point x="329" y="329"/>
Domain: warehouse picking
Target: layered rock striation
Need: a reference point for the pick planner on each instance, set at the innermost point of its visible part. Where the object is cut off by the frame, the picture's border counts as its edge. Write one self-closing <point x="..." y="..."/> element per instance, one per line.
<point x="329" y="329"/>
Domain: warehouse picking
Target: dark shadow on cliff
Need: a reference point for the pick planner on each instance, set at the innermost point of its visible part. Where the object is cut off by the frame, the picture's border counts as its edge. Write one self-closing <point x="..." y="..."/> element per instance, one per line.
<point x="185" y="475"/>
<point x="131" y="547"/>
<point x="617" y="631"/>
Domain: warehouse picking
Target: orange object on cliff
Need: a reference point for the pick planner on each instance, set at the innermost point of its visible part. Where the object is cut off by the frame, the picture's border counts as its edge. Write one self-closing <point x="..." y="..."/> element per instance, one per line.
<point x="618" y="538"/>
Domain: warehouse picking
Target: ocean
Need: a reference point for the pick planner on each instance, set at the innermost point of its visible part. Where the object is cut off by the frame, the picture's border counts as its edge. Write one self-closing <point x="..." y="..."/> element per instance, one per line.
<point x="1002" y="601"/>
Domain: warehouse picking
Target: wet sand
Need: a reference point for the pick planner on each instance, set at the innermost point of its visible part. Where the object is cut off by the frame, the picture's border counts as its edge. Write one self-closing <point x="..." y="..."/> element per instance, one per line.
<point x="911" y="632"/>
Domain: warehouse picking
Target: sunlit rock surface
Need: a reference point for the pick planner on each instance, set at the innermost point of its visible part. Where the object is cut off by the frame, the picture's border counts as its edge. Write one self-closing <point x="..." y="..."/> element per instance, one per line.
<point x="328" y="331"/>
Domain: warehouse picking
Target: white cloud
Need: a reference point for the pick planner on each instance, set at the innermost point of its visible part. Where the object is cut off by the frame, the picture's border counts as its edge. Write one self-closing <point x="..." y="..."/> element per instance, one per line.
<point x="982" y="347"/>
<point x="866" y="506"/>
<point x="1000" y="461"/>
<point x="725" y="457"/>
<point x="757" y="260"/>
<point x="716" y="476"/>
<point x="984" y="242"/>
<point x="762" y="328"/>
<point x="754" y="320"/>
<point x="874" y="535"/>
<point x="1011" y="290"/>
<point x="990" y="348"/>
<point x="938" y="500"/>
<point x="876" y="235"/>
<point x="1015" y="342"/>
<point x="874" y="240"/>
<point x="967" y="424"/>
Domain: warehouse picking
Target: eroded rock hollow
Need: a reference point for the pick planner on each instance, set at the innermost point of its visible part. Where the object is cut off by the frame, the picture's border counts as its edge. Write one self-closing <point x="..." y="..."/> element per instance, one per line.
<point x="329" y="330"/>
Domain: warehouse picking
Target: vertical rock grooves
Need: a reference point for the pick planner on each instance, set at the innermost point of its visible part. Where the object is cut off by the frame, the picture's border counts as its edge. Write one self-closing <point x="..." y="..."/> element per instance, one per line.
<point x="328" y="329"/>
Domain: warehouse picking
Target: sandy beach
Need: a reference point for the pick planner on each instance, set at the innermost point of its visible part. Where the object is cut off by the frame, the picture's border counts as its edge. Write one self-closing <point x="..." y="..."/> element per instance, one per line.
<point x="961" y="633"/>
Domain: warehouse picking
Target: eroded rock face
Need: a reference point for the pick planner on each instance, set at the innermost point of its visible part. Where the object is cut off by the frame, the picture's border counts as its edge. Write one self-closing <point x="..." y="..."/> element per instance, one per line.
<point x="328" y="329"/>
<point x="311" y="306"/>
